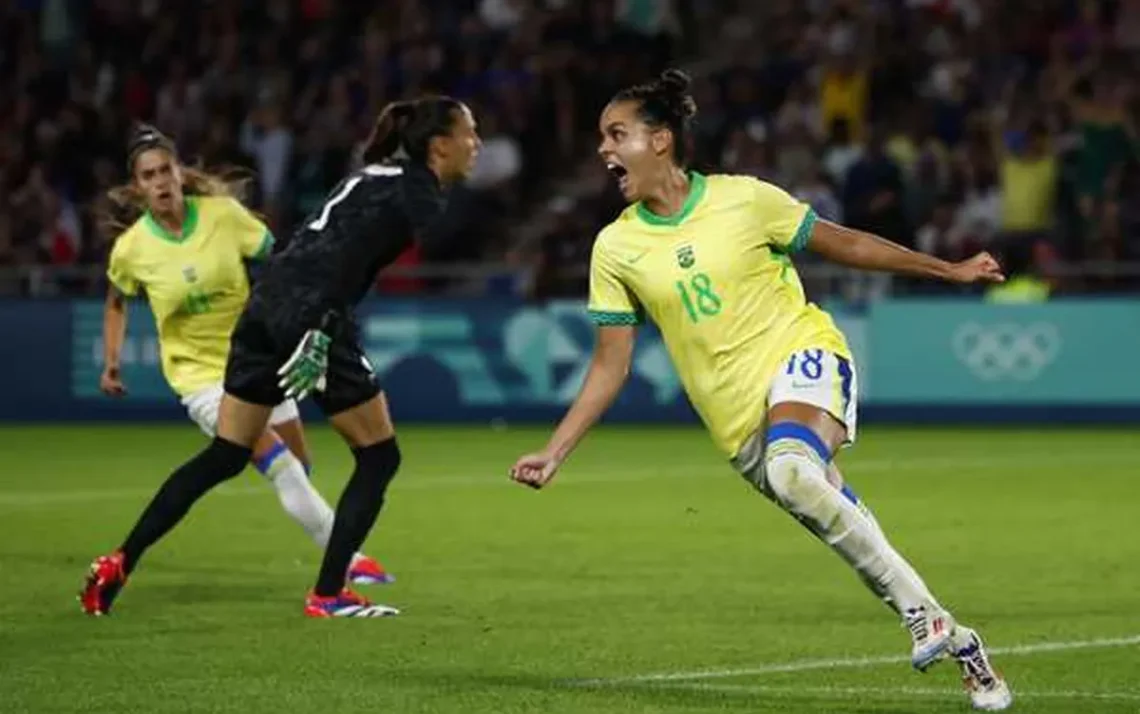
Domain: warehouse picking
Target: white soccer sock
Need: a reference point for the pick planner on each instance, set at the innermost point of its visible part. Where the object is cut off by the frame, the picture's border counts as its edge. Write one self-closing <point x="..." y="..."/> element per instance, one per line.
<point x="796" y="479"/>
<point x="297" y="495"/>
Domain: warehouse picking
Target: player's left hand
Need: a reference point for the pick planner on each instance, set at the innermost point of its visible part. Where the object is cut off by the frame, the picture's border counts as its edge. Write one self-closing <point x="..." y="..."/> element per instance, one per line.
<point x="535" y="470"/>
<point x="305" y="369"/>
<point x="983" y="267"/>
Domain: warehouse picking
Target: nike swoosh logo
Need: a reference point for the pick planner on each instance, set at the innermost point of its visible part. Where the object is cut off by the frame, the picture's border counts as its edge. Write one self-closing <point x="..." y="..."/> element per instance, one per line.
<point x="634" y="258"/>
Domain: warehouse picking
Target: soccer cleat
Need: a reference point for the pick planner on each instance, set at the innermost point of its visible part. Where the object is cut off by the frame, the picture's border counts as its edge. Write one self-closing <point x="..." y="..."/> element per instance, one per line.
<point x="345" y="604"/>
<point x="987" y="689"/>
<point x="368" y="571"/>
<point x="104" y="581"/>
<point x="930" y="629"/>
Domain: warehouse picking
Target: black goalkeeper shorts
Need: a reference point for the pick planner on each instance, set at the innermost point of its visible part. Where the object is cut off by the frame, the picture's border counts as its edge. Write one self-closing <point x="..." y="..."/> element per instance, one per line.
<point x="256" y="355"/>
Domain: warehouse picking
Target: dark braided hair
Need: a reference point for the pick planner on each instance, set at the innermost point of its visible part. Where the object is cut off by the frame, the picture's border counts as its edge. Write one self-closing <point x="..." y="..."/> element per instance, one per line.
<point x="405" y="129"/>
<point x="666" y="102"/>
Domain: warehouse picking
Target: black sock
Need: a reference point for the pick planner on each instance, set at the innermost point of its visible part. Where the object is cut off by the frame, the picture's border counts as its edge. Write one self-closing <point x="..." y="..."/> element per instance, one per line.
<point x="357" y="510"/>
<point x="219" y="461"/>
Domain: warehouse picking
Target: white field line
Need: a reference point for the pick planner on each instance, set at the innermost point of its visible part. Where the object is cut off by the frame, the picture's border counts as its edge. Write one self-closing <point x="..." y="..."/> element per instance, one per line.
<point x="409" y="481"/>
<point x="883" y="692"/>
<point x="851" y="663"/>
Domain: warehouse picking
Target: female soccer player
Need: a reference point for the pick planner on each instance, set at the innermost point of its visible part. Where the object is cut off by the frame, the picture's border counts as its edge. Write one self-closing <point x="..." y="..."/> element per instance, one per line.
<point x="706" y="258"/>
<point x="298" y="335"/>
<point x="183" y="241"/>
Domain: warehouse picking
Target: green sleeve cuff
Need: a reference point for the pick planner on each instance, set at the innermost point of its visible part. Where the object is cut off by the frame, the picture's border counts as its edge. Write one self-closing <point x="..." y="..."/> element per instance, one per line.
<point x="266" y="247"/>
<point x="803" y="233"/>
<point x="604" y="318"/>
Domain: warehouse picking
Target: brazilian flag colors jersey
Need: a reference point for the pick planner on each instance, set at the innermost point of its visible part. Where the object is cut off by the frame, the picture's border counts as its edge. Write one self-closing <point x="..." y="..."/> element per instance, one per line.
<point x="196" y="283"/>
<point x="717" y="280"/>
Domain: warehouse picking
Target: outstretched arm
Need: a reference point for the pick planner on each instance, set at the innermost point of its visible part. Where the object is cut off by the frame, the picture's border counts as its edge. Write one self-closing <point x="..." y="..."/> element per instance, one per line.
<point x="867" y="251"/>
<point x="609" y="368"/>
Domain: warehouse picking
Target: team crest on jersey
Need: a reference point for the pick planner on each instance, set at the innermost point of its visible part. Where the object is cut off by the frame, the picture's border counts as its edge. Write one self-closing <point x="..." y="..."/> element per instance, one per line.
<point x="685" y="257"/>
<point x="189" y="273"/>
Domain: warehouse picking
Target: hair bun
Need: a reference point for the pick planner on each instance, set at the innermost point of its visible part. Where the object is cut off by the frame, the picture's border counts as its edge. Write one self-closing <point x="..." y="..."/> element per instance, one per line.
<point x="676" y="81"/>
<point x="145" y="133"/>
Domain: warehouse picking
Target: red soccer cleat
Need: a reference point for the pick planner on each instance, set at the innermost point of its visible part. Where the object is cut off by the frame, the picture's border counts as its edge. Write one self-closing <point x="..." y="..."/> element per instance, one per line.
<point x="345" y="604"/>
<point x="106" y="578"/>
<point x="368" y="571"/>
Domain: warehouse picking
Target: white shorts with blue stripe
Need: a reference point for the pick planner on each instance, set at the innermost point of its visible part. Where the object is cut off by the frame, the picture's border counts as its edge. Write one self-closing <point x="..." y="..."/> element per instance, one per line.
<point x="822" y="379"/>
<point x="814" y="376"/>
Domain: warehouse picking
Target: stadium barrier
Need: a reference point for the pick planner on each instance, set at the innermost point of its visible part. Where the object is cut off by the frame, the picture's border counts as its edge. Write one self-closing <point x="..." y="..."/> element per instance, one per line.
<point x="481" y="360"/>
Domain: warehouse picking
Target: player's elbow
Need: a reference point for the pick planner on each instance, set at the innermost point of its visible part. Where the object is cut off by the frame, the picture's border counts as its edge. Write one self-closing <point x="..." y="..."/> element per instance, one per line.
<point x="612" y="364"/>
<point x="613" y="356"/>
<point x="115" y="302"/>
<point x="607" y="376"/>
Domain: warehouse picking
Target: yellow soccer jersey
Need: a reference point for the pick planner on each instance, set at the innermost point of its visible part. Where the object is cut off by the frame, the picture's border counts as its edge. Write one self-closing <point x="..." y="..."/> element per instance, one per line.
<point x="196" y="284"/>
<point x="717" y="280"/>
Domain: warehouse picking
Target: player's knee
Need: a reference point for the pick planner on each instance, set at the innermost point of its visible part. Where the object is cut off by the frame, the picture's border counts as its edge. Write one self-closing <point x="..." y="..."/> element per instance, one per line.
<point x="225" y="458"/>
<point x="381" y="460"/>
<point x="219" y="461"/>
<point x="795" y="469"/>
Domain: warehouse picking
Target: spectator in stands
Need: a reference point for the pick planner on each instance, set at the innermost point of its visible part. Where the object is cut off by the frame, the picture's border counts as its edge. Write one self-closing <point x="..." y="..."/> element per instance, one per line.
<point x="784" y="87"/>
<point x="817" y="191"/>
<point x="1108" y="139"/>
<point x="873" y="192"/>
<point x="265" y="136"/>
<point x="1028" y="165"/>
<point x="842" y="151"/>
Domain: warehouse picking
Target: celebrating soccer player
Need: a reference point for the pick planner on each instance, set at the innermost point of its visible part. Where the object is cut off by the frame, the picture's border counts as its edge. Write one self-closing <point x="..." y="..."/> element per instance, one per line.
<point x="297" y="335"/>
<point x="707" y="259"/>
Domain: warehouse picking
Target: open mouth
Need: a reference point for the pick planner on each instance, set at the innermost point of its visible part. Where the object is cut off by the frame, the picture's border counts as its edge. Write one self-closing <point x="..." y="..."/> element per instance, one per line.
<point x="618" y="172"/>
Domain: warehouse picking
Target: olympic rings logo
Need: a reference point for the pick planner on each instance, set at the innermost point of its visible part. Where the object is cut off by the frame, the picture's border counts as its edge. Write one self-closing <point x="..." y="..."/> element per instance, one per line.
<point x="1006" y="351"/>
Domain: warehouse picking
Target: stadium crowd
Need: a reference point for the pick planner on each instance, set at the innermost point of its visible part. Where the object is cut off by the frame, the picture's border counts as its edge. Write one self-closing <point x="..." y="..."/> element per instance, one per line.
<point x="947" y="125"/>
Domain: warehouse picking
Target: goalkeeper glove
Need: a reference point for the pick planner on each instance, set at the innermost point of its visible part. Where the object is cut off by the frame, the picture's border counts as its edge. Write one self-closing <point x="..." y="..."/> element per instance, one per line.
<point x="305" y="369"/>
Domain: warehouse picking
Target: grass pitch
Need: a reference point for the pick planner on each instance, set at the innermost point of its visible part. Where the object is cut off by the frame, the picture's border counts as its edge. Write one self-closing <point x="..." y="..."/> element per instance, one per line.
<point x="648" y="578"/>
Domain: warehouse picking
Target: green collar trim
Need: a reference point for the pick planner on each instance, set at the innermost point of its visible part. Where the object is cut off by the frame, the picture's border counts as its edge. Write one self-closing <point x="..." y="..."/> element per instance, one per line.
<point x="697" y="185"/>
<point x="188" y="224"/>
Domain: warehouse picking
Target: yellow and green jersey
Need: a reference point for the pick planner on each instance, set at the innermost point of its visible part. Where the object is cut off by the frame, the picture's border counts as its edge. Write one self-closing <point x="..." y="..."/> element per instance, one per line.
<point x="717" y="280"/>
<point x="196" y="283"/>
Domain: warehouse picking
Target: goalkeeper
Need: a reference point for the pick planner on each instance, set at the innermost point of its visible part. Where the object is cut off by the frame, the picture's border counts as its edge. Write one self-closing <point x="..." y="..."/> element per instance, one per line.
<point x="297" y="336"/>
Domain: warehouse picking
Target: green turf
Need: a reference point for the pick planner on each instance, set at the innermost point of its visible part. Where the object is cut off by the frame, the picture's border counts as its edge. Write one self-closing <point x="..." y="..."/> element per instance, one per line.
<point x="647" y="556"/>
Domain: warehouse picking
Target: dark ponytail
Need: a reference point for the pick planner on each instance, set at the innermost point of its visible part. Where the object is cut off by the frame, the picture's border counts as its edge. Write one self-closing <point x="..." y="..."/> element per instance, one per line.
<point x="666" y="102"/>
<point x="405" y="129"/>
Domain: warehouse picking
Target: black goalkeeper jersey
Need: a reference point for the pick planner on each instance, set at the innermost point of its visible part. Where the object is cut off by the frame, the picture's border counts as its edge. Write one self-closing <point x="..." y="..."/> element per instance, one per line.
<point x="331" y="262"/>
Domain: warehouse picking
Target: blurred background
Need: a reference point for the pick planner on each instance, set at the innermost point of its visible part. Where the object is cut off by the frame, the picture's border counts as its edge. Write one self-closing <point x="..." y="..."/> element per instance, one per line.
<point x="946" y="125"/>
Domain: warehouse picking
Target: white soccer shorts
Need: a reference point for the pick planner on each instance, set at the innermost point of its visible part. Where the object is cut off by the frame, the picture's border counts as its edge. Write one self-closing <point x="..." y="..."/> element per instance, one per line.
<point x="203" y="405"/>
<point x="818" y="377"/>
<point x="822" y="379"/>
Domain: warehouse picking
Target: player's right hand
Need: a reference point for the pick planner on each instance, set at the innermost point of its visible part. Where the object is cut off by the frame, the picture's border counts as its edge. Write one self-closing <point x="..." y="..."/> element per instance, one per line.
<point x="982" y="267"/>
<point x="535" y="470"/>
<point x="111" y="383"/>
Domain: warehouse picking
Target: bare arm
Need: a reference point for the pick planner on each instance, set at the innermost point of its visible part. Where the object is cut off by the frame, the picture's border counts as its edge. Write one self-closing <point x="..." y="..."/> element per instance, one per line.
<point x="867" y="251"/>
<point x="114" y="332"/>
<point x="608" y="370"/>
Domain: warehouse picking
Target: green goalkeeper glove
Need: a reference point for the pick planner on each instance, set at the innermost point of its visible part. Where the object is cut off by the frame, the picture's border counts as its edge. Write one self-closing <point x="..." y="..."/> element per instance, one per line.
<point x="305" y="369"/>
